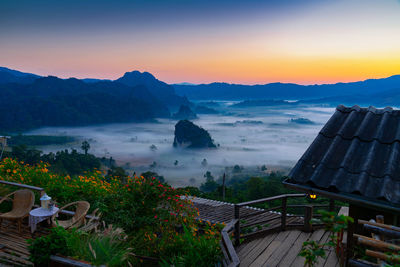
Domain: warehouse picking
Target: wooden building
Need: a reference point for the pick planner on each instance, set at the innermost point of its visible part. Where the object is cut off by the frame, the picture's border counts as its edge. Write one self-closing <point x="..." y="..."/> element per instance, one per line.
<point x="356" y="159"/>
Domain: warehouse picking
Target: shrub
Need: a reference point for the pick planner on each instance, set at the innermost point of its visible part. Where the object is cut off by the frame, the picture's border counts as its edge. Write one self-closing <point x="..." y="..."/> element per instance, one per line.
<point x="55" y="243"/>
<point x="105" y="248"/>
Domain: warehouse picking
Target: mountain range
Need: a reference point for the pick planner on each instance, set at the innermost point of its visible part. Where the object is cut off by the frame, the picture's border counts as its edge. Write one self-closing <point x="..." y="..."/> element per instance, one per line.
<point x="385" y="91"/>
<point x="30" y="101"/>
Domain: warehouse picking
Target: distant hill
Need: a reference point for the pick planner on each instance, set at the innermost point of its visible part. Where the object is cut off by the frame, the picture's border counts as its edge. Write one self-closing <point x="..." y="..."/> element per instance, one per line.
<point x="262" y="102"/>
<point x="225" y="91"/>
<point x="189" y="135"/>
<point x="13" y="76"/>
<point x="184" y="113"/>
<point x="29" y="101"/>
<point x="91" y="80"/>
<point x="52" y="101"/>
<point x="380" y="99"/>
<point x="164" y="92"/>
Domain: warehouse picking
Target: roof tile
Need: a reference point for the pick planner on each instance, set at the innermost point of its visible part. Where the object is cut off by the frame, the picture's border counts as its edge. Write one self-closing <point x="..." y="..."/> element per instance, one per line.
<point x="357" y="151"/>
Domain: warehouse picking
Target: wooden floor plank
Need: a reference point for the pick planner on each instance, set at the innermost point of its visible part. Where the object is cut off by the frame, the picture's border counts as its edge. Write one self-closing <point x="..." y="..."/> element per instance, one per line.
<point x="332" y="259"/>
<point x="283" y="249"/>
<point x="297" y="245"/>
<point x="250" y="257"/>
<point x="247" y="247"/>
<point x="267" y="252"/>
<point x="15" y="246"/>
<point x="299" y="261"/>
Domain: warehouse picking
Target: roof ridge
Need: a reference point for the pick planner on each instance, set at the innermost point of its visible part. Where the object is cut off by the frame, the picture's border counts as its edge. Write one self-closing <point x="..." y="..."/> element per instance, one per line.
<point x="359" y="138"/>
<point x="372" y="109"/>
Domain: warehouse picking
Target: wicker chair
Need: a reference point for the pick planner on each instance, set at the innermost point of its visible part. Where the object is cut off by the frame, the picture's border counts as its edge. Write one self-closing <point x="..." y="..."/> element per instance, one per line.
<point x="82" y="207"/>
<point x="22" y="204"/>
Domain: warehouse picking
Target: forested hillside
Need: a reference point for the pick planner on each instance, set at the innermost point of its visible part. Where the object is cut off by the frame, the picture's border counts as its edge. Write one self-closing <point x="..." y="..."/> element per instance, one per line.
<point x="51" y="101"/>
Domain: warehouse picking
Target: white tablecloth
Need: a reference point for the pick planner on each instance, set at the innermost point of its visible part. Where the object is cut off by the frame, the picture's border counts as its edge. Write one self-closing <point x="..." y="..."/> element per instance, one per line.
<point x="38" y="215"/>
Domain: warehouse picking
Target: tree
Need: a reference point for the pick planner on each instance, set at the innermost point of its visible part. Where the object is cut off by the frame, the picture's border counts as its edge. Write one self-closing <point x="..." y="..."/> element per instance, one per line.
<point x="256" y="188"/>
<point x="85" y="146"/>
<point x="210" y="184"/>
<point x="237" y="169"/>
<point x="204" y="163"/>
<point x="117" y="172"/>
<point x="153" y="165"/>
<point x="264" y="168"/>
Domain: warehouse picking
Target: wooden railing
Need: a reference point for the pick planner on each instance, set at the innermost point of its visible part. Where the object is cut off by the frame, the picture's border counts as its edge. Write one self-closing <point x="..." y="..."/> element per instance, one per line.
<point x="281" y="214"/>
<point x="378" y="245"/>
<point x="35" y="188"/>
<point x="231" y="259"/>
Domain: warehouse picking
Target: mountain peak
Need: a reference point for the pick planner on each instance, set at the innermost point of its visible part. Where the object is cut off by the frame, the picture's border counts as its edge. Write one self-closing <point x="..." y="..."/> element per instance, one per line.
<point x="139" y="75"/>
<point x="164" y="92"/>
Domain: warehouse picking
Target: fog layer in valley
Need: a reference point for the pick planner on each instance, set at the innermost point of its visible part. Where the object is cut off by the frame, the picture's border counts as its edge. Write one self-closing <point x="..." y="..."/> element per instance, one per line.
<point x="249" y="137"/>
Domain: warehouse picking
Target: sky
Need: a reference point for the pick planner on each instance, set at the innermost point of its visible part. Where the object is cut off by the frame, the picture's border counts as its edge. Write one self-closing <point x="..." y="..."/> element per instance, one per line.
<point x="245" y="41"/>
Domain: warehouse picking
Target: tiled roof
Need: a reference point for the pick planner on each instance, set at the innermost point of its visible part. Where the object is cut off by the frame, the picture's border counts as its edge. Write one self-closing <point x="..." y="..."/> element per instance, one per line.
<point x="356" y="152"/>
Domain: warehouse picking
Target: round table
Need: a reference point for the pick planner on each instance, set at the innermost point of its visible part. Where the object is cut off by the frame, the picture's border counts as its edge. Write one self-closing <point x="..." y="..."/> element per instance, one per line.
<point x="38" y="215"/>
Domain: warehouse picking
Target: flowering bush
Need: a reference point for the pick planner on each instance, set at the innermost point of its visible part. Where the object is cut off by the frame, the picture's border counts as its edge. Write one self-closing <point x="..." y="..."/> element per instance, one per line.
<point x="159" y="222"/>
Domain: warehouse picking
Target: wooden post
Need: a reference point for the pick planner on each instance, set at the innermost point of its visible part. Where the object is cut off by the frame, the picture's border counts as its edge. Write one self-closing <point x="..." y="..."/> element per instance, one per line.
<point x="380" y="219"/>
<point x="331" y="204"/>
<point x="307" y="218"/>
<point x="237" y="225"/>
<point x="350" y="234"/>
<point x="223" y="187"/>
<point x="284" y="213"/>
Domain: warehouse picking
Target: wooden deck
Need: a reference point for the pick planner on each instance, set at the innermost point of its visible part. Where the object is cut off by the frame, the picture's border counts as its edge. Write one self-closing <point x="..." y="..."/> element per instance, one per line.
<point x="13" y="245"/>
<point x="281" y="249"/>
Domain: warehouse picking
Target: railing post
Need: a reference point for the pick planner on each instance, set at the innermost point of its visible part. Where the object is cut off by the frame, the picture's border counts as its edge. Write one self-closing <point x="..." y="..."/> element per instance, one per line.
<point x="284" y="213"/>
<point x="331" y="204"/>
<point x="237" y="225"/>
<point x="307" y="218"/>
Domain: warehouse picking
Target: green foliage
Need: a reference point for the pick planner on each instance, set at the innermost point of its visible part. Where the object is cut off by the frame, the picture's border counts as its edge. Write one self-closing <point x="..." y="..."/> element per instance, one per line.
<point x="62" y="162"/>
<point x="394" y="260"/>
<point x="85" y="146"/>
<point x="197" y="250"/>
<point x="108" y="248"/>
<point x="334" y="223"/>
<point x="246" y="188"/>
<point x="39" y="140"/>
<point x="25" y="154"/>
<point x="312" y="251"/>
<point x="105" y="248"/>
<point x="150" y="175"/>
<point x="237" y="169"/>
<point x="210" y="184"/>
<point x="43" y="247"/>
<point x="72" y="163"/>
<point x="151" y="213"/>
<point x="117" y="172"/>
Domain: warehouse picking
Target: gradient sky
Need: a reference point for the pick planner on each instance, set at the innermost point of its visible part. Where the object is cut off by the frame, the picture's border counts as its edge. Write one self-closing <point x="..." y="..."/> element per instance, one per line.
<point x="247" y="41"/>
